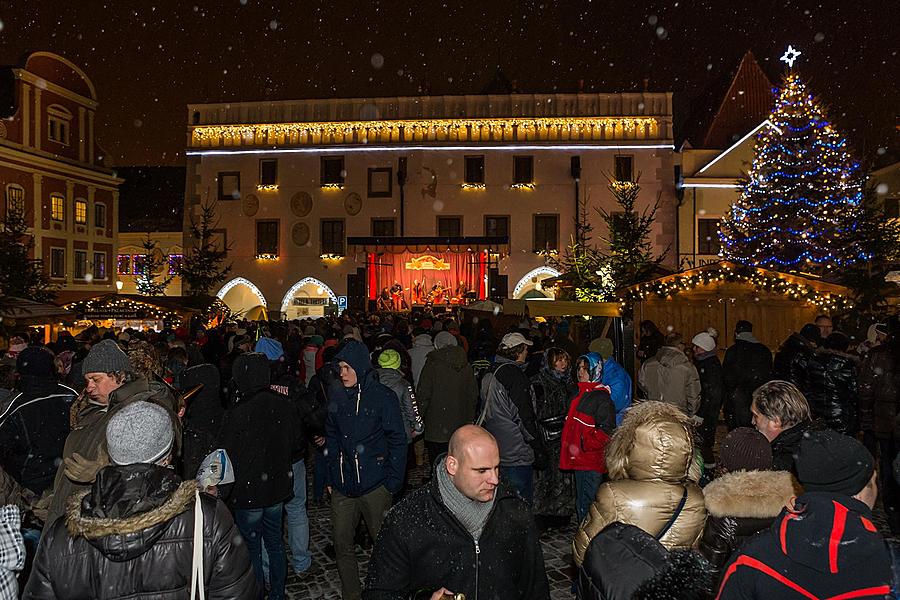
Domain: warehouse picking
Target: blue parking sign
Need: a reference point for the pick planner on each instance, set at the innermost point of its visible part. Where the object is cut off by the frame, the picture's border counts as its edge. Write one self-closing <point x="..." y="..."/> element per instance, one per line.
<point x="342" y="302"/>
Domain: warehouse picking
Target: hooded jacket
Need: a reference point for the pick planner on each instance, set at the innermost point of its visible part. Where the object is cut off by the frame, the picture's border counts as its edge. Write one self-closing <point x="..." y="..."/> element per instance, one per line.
<point x="589" y="422"/>
<point x="650" y="459"/>
<point x="202" y="418"/>
<point x="508" y="409"/>
<point x="879" y="392"/>
<point x="617" y="379"/>
<point x="668" y="376"/>
<point x="446" y="393"/>
<point x="131" y="536"/>
<point x="260" y="434"/>
<point x="831" y="389"/>
<point x="422" y="546"/>
<point x="791" y="360"/>
<point x="746" y="366"/>
<point x="827" y="547"/>
<point x="33" y="430"/>
<point x="394" y="379"/>
<point x="741" y="504"/>
<point x="421" y="347"/>
<point x="365" y="440"/>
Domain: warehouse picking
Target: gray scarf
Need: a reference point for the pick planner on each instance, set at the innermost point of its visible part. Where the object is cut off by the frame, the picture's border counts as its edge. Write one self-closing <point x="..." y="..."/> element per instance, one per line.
<point x="746" y="336"/>
<point x="472" y="514"/>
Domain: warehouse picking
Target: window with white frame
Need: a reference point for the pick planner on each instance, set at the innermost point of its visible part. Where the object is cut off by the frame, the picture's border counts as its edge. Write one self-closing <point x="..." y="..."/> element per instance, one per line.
<point x="99" y="214"/>
<point x="59" y="121"/>
<point x="99" y="265"/>
<point x="15" y="199"/>
<point x="57" y="207"/>
<point x="81" y="211"/>
<point x="58" y="263"/>
<point x="81" y="264"/>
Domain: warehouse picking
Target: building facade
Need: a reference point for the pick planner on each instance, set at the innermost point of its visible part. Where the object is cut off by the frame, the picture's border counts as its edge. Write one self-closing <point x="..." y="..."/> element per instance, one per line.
<point x="132" y="258"/>
<point x="50" y="169"/>
<point x="317" y="197"/>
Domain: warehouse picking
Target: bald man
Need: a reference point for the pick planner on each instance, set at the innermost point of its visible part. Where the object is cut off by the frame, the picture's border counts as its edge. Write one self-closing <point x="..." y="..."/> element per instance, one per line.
<point x="465" y="531"/>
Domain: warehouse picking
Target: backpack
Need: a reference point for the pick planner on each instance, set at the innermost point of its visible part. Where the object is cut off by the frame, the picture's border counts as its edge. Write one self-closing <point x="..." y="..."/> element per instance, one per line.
<point x="500" y="416"/>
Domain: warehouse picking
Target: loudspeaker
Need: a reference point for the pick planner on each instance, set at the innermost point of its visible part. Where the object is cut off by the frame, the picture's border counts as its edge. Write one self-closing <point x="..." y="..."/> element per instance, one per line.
<point x="498" y="285"/>
<point x="401" y="170"/>
<point x="576" y="167"/>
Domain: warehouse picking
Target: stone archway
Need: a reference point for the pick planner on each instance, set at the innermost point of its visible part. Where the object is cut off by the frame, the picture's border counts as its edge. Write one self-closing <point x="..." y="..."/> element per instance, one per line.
<point x="530" y="284"/>
<point x="243" y="298"/>
<point x="309" y="297"/>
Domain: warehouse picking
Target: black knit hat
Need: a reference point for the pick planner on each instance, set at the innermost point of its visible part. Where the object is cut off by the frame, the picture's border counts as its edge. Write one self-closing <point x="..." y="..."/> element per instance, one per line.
<point x="36" y="361"/>
<point x="745" y="449"/>
<point x="830" y="462"/>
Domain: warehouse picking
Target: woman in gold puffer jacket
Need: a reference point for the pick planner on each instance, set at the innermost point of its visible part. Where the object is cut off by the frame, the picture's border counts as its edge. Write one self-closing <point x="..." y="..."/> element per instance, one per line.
<point x="651" y="464"/>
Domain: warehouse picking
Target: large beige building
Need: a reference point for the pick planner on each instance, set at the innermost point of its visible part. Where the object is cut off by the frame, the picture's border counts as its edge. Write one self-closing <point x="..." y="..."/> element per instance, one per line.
<point x="52" y="171"/>
<point x="319" y="199"/>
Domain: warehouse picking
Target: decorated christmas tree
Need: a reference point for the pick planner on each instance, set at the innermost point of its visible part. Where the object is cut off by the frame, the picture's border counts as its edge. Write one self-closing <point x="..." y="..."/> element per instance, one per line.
<point x="799" y="207"/>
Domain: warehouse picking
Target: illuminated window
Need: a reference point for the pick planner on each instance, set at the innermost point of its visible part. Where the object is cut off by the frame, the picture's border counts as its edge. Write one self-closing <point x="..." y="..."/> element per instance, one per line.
<point x="268" y="171"/>
<point x="175" y="262"/>
<point x="624" y="168"/>
<point x="80" y="211"/>
<point x="546" y="232"/>
<point x="138" y="263"/>
<point x="99" y="214"/>
<point x="333" y="170"/>
<point x="708" y="236"/>
<point x="449" y="226"/>
<point x="333" y="236"/>
<point x="58" y="124"/>
<point x="474" y="169"/>
<point x="15" y="199"/>
<point x="99" y="265"/>
<point x="523" y="169"/>
<point x="57" y="207"/>
<point x="57" y="262"/>
<point x="267" y="238"/>
<point x="124" y="264"/>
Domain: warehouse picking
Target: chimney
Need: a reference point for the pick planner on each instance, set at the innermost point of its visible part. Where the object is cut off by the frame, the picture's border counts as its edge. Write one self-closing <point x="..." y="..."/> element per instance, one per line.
<point x="646" y="84"/>
<point x="581" y="86"/>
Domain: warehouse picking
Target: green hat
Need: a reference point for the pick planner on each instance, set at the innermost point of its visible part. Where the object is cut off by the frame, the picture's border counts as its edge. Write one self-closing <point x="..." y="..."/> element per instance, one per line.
<point x="389" y="359"/>
<point x="602" y="346"/>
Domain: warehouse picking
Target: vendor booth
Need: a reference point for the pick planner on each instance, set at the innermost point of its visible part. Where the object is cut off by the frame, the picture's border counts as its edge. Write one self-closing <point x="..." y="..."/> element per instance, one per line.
<point x="121" y="311"/>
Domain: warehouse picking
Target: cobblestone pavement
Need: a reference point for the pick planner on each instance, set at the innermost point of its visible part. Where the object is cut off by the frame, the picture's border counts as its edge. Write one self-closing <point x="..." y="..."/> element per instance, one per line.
<point x="324" y="582"/>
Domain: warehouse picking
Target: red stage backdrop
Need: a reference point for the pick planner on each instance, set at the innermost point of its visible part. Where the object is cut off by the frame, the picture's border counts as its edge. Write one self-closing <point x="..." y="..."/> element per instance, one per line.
<point x="447" y="268"/>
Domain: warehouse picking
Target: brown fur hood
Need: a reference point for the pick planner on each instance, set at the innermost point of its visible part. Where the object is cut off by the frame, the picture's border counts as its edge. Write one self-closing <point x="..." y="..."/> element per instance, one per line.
<point x="750" y="494"/>
<point x="93" y="528"/>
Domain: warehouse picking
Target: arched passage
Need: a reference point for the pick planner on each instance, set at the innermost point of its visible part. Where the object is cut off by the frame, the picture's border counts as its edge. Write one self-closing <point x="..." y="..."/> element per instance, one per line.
<point x="309" y="297"/>
<point x="243" y="298"/>
<point x="530" y="284"/>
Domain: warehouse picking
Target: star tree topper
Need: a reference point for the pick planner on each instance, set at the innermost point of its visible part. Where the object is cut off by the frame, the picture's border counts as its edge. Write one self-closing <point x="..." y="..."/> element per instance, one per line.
<point x="790" y="56"/>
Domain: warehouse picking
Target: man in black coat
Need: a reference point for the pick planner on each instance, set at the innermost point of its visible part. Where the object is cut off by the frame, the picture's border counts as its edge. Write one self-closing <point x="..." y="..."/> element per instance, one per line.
<point x="792" y="358"/>
<point x="260" y="433"/>
<point x="746" y="366"/>
<point x="34" y="426"/>
<point x="463" y="532"/>
<point x="131" y="535"/>
<point x="826" y="545"/>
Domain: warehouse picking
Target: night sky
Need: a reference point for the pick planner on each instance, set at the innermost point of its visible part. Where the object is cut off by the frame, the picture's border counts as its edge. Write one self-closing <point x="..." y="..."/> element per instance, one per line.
<point x="149" y="59"/>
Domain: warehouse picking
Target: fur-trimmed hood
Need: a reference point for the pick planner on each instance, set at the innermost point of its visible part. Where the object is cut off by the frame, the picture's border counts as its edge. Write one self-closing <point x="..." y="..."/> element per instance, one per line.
<point x="127" y="509"/>
<point x="654" y="442"/>
<point x="751" y="494"/>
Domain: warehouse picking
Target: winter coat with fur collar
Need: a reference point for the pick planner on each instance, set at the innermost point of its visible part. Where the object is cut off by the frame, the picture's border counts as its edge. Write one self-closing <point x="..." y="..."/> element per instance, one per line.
<point x="651" y="465"/>
<point x="740" y="505"/>
<point x="131" y="536"/>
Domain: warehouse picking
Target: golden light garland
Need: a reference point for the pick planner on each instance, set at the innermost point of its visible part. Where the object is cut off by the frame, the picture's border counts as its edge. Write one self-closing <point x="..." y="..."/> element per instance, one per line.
<point x="762" y="281"/>
<point x="272" y="187"/>
<point x="267" y="256"/>
<point x="522" y="186"/>
<point x="141" y="309"/>
<point x="332" y="186"/>
<point x="424" y="130"/>
<point x="333" y="257"/>
<point x="473" y="186"/>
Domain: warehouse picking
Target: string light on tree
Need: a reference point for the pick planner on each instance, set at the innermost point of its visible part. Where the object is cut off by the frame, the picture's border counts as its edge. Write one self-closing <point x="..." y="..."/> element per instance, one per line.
<point x="799" y="207"/>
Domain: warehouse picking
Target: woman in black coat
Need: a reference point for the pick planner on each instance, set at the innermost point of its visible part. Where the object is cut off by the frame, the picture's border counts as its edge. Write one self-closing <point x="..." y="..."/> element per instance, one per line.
<point x="554" y="388"/>
<point x="831" y="385"/>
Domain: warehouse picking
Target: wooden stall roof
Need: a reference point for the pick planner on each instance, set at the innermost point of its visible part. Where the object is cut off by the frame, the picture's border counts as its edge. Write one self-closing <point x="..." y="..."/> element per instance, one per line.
<point x="561" y="308"/>
<point x="29" y="312"/>
<point x="814" y="282"/>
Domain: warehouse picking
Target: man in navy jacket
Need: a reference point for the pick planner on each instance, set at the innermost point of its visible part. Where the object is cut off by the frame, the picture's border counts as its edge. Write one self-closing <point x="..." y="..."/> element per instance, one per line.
<point x="366" y="456"/>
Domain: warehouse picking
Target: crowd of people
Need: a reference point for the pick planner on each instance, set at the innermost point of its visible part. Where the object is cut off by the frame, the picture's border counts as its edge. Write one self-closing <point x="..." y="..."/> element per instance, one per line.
<point x="106" y="441"/>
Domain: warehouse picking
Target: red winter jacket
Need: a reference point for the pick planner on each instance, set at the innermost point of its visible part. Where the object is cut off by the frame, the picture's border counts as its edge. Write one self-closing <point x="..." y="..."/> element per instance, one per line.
<point x="591" y="419"/>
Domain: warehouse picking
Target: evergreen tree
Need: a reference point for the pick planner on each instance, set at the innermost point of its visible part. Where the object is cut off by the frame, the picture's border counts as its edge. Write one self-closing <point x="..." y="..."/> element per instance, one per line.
<point x="799" y="206"/>
<point x="631" y="258"/>
<point x="20" y="275"/>
<point x="204" y="265"/>
<point x="584" y="268"/>
<point x="878" y="239"/>
<point x="154" y="277"/>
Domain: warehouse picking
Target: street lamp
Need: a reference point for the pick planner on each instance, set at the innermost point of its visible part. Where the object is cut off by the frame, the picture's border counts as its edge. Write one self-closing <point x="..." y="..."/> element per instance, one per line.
<point x="119" y="285"/>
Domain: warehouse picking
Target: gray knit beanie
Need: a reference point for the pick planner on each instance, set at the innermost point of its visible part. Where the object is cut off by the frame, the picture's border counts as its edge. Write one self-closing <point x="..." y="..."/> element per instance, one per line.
<point x="139" y="433"/>
<point x="106" y="357"/>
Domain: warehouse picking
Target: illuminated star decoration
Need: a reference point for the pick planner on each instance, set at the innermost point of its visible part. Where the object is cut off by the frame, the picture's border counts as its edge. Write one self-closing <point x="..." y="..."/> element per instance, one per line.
<point x="790" y="55"/>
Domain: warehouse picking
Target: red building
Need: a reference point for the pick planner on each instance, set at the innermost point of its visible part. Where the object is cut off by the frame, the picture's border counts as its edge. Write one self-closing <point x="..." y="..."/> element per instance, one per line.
<point x="50" y="168"/>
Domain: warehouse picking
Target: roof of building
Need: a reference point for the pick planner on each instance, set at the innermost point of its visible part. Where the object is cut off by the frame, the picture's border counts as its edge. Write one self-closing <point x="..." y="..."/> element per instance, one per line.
<point x="151" y="198"/>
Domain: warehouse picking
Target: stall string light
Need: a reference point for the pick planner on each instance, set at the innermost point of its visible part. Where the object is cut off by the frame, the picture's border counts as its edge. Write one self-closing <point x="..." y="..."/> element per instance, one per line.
<point x="765" y="282"/>
<point x="141" y="309"/>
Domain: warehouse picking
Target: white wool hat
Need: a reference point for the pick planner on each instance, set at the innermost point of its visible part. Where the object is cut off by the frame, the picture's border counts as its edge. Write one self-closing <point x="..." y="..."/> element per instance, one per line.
<point x="704" y="340"/>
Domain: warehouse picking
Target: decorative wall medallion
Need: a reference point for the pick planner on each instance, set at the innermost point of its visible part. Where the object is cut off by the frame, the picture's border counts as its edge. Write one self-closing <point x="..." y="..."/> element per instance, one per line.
<point x="300" y="233"/>
<point x="353" y="203"/>
<point x="301" y="204"/>
<point x="250" y="205"/>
